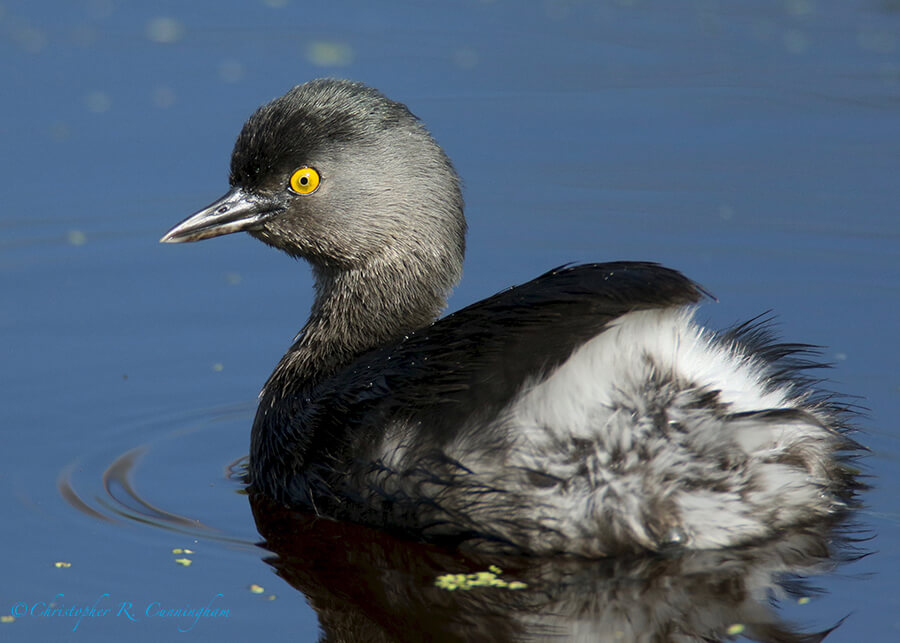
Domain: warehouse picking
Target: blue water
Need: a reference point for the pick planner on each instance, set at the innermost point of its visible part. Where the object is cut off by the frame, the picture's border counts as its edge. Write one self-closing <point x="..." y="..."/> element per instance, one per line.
<point x="754" y="146"/>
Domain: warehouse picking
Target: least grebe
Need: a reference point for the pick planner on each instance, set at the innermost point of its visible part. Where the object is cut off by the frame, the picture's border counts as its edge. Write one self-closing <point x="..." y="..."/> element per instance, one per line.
<point x="582" y="412"/>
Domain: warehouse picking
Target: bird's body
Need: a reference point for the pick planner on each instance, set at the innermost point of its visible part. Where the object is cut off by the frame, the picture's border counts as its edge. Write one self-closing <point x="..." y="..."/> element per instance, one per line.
<point x="583" y="412"/>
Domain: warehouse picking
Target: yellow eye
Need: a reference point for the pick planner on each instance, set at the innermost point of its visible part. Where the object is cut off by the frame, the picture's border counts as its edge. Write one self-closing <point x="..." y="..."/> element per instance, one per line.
<point x="305" y="180"/>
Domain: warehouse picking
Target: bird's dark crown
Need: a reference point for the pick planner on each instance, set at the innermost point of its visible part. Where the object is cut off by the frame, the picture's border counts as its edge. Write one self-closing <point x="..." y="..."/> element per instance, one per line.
<point x="310" y="118"/>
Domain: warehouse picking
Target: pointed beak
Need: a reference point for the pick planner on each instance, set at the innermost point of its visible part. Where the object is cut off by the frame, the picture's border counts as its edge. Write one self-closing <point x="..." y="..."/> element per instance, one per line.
<point x="236" y="211"/>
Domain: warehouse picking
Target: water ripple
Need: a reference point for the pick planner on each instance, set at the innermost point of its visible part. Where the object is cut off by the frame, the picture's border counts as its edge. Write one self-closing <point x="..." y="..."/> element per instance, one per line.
<point x="114" y="485"/>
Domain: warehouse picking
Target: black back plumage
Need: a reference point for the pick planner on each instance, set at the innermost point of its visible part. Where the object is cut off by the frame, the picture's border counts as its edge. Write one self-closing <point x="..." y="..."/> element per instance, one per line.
<point x="467" y="367"/>
<point x="475" y="360"/>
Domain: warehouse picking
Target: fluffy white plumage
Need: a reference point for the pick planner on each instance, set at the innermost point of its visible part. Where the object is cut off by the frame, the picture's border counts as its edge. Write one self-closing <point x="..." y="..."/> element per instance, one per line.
<point x="655" y="433"/>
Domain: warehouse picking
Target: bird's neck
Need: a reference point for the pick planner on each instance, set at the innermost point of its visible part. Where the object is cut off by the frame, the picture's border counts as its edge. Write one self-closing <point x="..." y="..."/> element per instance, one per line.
<point x="354" y="312"/>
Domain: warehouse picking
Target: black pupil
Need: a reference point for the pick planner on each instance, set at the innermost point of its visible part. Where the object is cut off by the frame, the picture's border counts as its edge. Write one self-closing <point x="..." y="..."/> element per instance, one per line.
<point x="304" y="180"/>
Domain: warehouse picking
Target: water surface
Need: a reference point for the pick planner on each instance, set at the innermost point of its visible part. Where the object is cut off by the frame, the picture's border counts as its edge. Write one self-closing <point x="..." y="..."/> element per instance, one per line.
<point x="755" y="147"/>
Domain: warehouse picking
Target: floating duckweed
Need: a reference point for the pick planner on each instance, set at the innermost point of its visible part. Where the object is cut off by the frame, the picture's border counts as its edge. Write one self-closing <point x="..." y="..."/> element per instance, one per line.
<point x="97" y="102"/>
<point x="165" y="30"/>
<point x="231" y="71"/>
<point x="184" y="562"/>
<point x="466" y="582"/>
<point x="62" y="564"/>
<point x="179" y="550"/>
<point x="7" y="619"/>
<point x="804" y="600"/>
<point x="271" y="597"/>
<point x="445" y="582"/>
<point x="734" y="630"/>
<point x="465" y="58"/>
<point x="163" y="96"/>
<point x="256" y="589"/>
<point x="329" y="54"/>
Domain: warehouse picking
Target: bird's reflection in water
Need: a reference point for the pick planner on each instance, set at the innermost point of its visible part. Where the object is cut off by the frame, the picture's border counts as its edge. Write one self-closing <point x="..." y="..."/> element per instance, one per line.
<point x="366" y="585"/>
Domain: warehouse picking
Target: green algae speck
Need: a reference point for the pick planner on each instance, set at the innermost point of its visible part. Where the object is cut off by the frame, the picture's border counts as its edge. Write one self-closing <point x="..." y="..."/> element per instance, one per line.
<point x="465" y="582"/>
